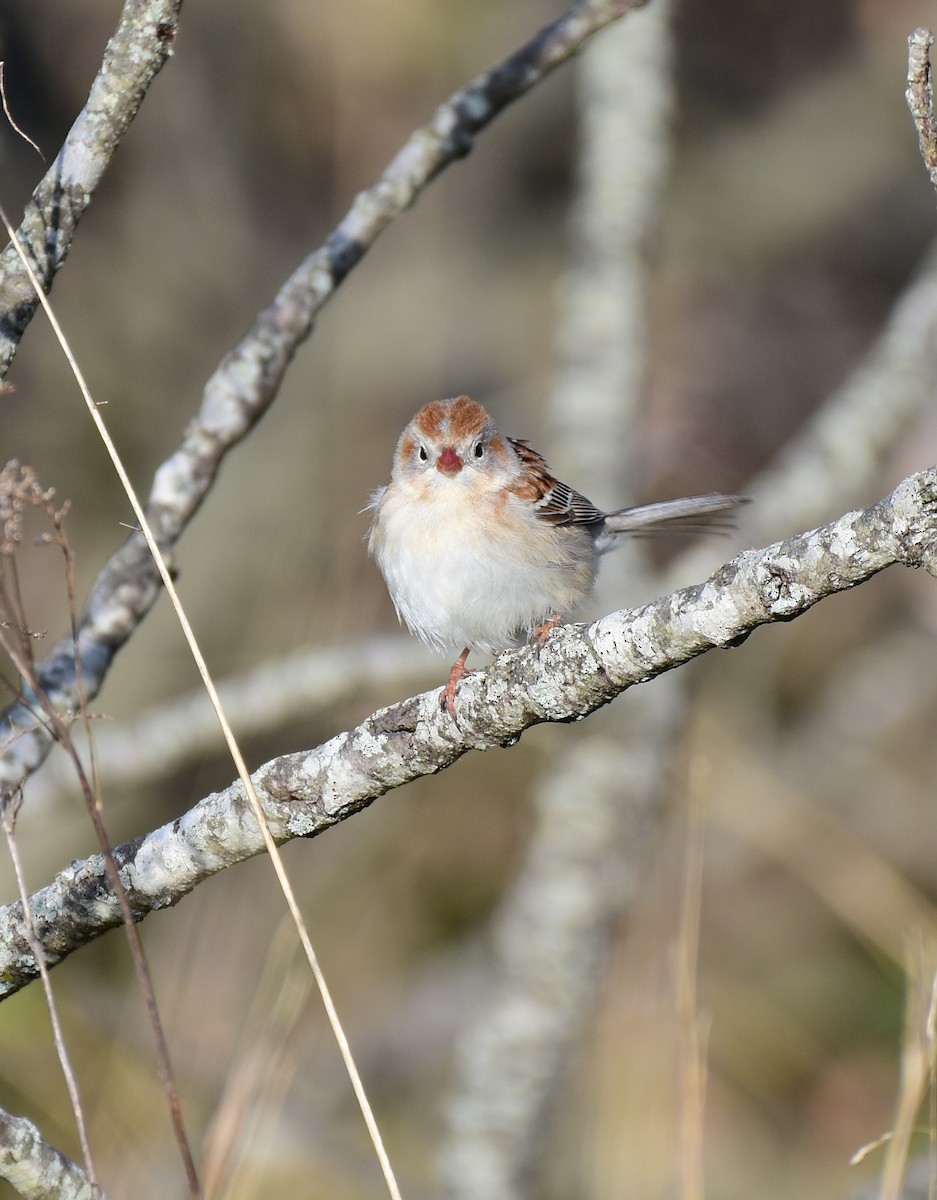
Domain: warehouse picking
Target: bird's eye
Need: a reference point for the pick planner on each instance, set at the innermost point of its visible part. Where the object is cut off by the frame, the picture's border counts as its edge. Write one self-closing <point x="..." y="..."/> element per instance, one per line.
<point x="423" y="455"/>
<point x="478" y="450"/>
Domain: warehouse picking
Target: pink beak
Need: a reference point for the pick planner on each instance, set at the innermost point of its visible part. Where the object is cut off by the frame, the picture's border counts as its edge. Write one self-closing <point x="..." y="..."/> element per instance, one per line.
<point x="448" y="462"/>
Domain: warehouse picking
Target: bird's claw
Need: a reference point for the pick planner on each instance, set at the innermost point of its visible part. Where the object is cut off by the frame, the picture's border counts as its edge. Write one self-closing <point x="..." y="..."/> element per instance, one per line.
<point x="447" y="695"/>
<point x="540" y="633"/>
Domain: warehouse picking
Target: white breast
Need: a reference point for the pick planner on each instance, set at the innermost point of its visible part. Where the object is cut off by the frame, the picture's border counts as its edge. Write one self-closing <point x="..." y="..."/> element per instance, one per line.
<point x="476" y="570"/>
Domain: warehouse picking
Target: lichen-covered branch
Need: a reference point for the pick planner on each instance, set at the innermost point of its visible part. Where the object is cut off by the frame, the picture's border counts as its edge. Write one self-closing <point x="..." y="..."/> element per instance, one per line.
<point x="920" y="97"/>
<point x="36" y="1170"/>
<point x="578" y="670"/>
<point x="248" y="378"/>
<point x="303" y="683"/>
<point x="139" y="48"/>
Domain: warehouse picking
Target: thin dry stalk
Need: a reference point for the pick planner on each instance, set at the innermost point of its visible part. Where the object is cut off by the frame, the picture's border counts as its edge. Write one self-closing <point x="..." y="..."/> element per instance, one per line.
<point x="824" y="854"/>
<point x="263" y="1071"/>
<point x="9" y="811"/>
<point x="22" y="490"/>
<point x="691" y="1027"/>
<point x="918" y="1059"/>
<point x="233" y="747"/>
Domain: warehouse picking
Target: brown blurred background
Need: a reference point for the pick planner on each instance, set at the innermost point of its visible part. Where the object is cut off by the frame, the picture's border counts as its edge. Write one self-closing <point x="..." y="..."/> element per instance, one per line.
<point x="796" y="213"/>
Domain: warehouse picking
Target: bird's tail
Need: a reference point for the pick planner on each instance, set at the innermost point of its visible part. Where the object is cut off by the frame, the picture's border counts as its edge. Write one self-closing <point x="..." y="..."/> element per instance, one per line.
<point x="712" y="513"/>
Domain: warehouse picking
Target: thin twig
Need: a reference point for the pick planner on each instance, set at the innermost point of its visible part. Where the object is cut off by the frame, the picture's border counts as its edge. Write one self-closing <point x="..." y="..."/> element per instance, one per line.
<point x="9" y="116"/>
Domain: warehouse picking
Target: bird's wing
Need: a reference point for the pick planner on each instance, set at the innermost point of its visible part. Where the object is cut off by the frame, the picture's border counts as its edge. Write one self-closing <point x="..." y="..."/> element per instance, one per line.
<point x="554" y="502"/>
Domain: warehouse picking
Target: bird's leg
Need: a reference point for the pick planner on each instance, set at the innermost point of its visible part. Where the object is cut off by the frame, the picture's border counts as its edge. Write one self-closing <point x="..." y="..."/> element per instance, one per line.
<point x="447" y="695"/>
<point x="540" y="633"/>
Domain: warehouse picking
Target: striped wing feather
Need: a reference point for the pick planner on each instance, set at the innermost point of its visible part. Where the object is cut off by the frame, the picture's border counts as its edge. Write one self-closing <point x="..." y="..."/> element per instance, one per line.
<point x="555" y="502"/>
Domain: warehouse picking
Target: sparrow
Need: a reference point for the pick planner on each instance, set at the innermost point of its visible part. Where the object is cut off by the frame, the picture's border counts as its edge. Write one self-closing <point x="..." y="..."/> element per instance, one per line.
<point x="478" y="541"/>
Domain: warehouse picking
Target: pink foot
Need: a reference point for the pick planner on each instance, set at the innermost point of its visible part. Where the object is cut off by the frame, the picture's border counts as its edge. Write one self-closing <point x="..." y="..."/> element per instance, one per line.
<point x="447" y="695"/>
<point x="540" y="633"/>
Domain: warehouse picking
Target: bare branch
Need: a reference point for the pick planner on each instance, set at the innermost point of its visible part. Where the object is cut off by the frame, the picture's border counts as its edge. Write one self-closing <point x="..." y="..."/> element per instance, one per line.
<point x="36" y="1170"/>
<point x="580" y="669"/>
<point x="920" y="97"/>
<point x="304" y="682"/>
<point x="246" y="381"/>
<point x="139" y="48"/>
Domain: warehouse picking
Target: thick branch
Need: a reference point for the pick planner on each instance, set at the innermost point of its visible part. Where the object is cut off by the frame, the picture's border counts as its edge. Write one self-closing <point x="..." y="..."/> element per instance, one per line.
<point x="184" y="729"/>
<point x="247" y="379"/>
<point x="579" y="669"/>
<point x="140" y="46"/>
<point x="36" y="1170"/>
